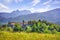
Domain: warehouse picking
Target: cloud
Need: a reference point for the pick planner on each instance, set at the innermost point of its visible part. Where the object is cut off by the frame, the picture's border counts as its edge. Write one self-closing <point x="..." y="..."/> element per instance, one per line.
<point x="32" y="10"/>
<point x="31" y="5"/>
<point x="7" y="1"/>
<point x="43" y="9"/>
<point x="18" y="1"/>
<point x="45" y="6"/>
<point x="47" y="2"/>
<point x="56" y="2"/>
<point x="3" y="8"/>
<point x="35" y="2"/>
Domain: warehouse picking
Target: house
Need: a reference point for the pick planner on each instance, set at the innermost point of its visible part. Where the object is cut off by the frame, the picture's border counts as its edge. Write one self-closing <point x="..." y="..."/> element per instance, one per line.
<point x="11" y="24"/>
<point x="23" y="24"/>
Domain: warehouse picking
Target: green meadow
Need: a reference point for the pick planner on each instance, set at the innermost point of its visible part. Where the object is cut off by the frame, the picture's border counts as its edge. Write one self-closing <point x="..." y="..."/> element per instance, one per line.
<point x="27" y="36"/>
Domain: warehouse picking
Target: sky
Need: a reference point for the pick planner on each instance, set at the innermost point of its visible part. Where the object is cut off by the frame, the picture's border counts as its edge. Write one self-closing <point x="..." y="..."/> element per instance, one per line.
<point x="32" y="5"/>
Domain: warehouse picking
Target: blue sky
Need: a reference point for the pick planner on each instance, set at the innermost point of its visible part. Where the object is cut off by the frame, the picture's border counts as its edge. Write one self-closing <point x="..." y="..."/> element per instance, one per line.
<point x="32" y="5"/>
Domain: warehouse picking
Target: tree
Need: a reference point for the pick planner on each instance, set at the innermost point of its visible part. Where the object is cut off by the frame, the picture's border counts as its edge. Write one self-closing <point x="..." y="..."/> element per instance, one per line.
<point x="38" y="24"/>
<point x="9" y="29"/>
<point x="54" y="31"/>
<point x="51" y="27"/>
<point x="28" y="29"/>
<point x="23" y="22"/>
<point x="4" y="27"/>
<point x="17" y="27"/>
<point x="34" y="28"/>
<point x="57" y="27"/>
<point x="43" y="26"/>
<point x="44" y="21"/>
<point x="0" y="24"/>
<point x="47" y="30"/>
<point x="39" y="20"/>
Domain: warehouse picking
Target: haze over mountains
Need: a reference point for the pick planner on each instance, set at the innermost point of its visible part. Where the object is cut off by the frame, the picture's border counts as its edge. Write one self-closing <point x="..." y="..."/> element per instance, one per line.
<point x="14" y="13"/>
<point x="19" y="16"/>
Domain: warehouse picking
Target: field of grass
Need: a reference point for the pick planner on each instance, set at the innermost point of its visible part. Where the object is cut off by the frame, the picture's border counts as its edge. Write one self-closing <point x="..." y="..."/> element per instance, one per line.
<point x="27" y="36"/>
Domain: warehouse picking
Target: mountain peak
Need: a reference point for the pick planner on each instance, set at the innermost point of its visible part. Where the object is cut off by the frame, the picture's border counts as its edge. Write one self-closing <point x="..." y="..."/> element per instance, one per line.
<point x="16" y="11"/>
<point x="57" y="9"/>
<point x="52" y="16"/>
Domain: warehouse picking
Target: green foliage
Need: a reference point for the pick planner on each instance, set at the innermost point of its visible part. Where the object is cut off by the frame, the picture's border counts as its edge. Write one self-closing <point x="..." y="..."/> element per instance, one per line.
<point x="57" y="27"/>
<point x="17" y="27"/>
<point x="51" y="27"/>
<point x="46" y="30"/>
<point x="4" y="28"/>
<point x="33" y="26"/>
<point x="54" y="31"/>
<point x="38" y="23"/>
<point x="10" y="29"/>
<point x="28" y="29"/>
<point x="44" y="21"/>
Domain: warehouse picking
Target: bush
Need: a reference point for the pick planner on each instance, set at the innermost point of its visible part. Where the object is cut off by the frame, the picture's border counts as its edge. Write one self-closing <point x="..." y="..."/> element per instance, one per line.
<point x="28" y="29"/>
<point x="54" y="31"/>
<point x="9" y="29"/>
<point x="17" y="27"/>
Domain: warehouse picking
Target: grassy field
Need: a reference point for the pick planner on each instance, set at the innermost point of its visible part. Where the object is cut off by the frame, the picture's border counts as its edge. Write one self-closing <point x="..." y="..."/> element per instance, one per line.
<point x="28" y="36"/>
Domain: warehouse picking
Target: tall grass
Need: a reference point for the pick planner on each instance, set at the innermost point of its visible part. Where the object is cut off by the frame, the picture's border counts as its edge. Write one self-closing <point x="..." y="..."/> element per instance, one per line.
<point x="27" y="36"/>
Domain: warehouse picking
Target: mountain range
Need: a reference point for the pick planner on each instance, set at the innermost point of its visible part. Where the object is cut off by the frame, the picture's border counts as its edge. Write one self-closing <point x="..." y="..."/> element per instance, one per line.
<point x="19" y="16"/>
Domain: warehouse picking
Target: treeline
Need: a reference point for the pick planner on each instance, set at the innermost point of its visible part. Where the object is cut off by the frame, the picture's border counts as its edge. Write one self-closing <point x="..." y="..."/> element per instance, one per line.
<point x="33" y="26"/>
